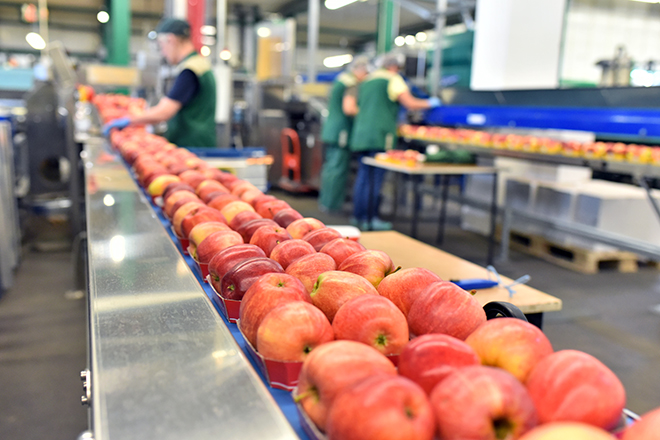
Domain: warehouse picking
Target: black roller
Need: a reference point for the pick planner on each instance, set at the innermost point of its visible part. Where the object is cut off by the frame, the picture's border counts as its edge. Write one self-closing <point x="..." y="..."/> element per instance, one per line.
<point x="501" y="309"/>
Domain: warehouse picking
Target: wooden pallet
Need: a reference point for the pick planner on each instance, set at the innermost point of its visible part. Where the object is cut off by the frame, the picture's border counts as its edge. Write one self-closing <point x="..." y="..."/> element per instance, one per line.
<point x="572" y="257"/>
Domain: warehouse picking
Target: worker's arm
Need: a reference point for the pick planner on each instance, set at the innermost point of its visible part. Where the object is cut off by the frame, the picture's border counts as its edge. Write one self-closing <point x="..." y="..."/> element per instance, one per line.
<point x="161" y="112"/>
<point x="407" y="100"/>
<point x="349" y="105"/>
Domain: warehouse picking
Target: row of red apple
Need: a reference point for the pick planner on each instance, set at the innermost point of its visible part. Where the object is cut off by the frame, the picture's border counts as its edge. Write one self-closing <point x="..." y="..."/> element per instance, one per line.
<point x="617" y="151"/>
<point x="113" y="106"/>
<point x="277" y="310"/>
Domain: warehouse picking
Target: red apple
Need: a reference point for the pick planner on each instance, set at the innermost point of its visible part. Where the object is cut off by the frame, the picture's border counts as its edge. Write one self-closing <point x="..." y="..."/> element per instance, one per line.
<point x="289" y="251"/>
<point x="381" y="407"/>
<point x="270" y="208"/>
<point x="216" y="242"/>
<point x="222" y="200"/>
<point x="226" y="178"/>
<point x="262" y="199"/>
<point x="264" y="295"/>
<point x="341" y="248"/>
<point x="646" y="428"/>
<point x="573" y="431"/>
<point x="208" y="186"/>
<point x="479" y="402"/>
<point x="306" y="328"/>
<point x="320" y="237"/>
<point x="241" y="218"/>
<point x="209" y="196"/>
<point x="404" y="286"/>
<point x="267" y="237"/>
<point x="443" y="307"/>
<point x="230" y="210"/>
<point x="428" y="359"/>
<point x="192" y="177"/>
<point x="333" y="288"/>
<point x="201" y="214"/>
<point x="249" y="227"/>
<point x="286" y="216"/>
<point x="308" y="268"/>
<point x="240" y="277"/>
<point x="571" y="385"/>
<point x="372" y="320"/>
<point x="242" y="187"/>
<point x="181" y="213"/>
<point x="298" y="228"/>
<point x="226" y="259"/>
<point x="371" y="264"/>
<point x="251" y="194"/>
<point x="203" y="230"/>
<point x="176" y="186"/>
<point x="511" y="344"/>
<point x="177" y="199"/>
<point x="331" y="368"/>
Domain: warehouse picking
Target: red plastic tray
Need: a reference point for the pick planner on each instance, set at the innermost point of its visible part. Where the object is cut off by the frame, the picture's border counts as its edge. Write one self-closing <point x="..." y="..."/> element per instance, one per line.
<point x="230" y="308"/>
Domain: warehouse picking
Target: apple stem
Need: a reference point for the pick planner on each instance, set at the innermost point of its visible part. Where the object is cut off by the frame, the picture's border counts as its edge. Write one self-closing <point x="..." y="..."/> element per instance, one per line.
<point x="409" y="413"/>
<point x="503" y="428"/>
<point x="312" y="391"/>
<point x="473" y="292"/>
<point x="381" y="340"/>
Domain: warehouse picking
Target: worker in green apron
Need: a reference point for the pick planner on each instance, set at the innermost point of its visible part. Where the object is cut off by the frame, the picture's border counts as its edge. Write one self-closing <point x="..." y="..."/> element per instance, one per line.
<point x="189" y="106"/>
<point x="374" y="130"/>
<point x="336" y="131"/>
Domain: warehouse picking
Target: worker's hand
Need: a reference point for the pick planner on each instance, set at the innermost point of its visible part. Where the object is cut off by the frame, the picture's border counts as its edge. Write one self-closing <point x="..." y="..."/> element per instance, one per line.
<point x="119" y="124"/>
<point x="434" y="102"/>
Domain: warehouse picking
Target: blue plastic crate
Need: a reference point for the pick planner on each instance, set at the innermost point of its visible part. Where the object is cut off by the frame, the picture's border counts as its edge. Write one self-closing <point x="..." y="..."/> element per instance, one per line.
<point x="246" y="152"/>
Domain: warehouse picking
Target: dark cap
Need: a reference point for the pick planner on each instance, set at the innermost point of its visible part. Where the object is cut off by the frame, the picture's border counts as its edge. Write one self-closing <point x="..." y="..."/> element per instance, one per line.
<point x="173" y="26"/>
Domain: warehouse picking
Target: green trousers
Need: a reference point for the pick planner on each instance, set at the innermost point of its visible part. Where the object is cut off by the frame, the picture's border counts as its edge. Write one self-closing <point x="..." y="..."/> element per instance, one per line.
<point x="334" y="175"/>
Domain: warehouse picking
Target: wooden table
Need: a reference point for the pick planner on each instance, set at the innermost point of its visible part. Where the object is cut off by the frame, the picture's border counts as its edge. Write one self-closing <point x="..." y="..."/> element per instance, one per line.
<point x="446" y="171"/>
<point x="408" y="252"/>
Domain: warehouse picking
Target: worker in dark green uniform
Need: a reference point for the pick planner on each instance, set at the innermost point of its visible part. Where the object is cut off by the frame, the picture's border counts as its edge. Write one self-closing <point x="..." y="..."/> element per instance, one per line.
<point x="342" y="107"/>
<point x="374" y="130"/>
<point x="189" y="107"/>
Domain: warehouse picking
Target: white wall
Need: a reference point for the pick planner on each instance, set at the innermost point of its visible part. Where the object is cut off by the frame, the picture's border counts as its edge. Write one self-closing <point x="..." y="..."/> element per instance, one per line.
<point x="595" y="28"/>
<point x="517" y="44"/>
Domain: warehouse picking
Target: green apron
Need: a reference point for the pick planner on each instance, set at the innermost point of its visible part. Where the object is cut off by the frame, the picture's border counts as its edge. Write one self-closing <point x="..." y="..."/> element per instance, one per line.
<point x="194" y="124"/>
<point x="374" y="128"/>
<point x="335" y="134"/>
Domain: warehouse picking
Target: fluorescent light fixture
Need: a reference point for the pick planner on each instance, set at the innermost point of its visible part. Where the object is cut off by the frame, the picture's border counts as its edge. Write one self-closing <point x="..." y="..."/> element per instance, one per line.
<point x="647" y="1"/>
<point x="36" y="41"/>
<point x="337" y="60"/>
<point x="421" y="36"/>
<point x="399" y="41"/>
<point x="207" y="30"/>
<point x="225" y="55"/>
<point x="264" y="32"/>
<point x="336" y="4"/>
<point x="205" y="51"/>
<point x="103" y="16"/>
<point x="410" y="40"/>
<point x="108" y="200"/>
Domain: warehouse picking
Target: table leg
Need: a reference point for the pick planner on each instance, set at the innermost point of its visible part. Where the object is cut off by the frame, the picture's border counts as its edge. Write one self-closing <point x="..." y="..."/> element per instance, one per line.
<point x="536" y="319"/>
<point x="493" y="221"/>
<point x="443" y="210"/>
<point x="415" y="211"/>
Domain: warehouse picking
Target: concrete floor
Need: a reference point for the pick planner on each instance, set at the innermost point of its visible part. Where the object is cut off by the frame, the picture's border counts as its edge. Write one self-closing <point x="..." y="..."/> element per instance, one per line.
<point x="43" y="325"/>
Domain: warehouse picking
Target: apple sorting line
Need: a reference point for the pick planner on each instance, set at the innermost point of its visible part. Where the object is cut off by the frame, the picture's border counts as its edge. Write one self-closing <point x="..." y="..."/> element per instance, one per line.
<point x="528" y="384"/>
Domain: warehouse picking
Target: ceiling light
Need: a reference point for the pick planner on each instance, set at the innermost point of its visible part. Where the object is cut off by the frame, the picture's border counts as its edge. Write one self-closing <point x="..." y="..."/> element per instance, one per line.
<point x="336" y="4"/>
<point x="225" y="54"/>
<point x="410" y="40"/>
<point x="36" y="41"/>
<point x="205" y="51"/>
<point x="103" y="16"/>
<point x="263" y="32"/>
<point x="399" y="41"/>
<point x="337" y="60"/>
<point x="421" y="36"/>
<point x="152" y="35"/>
<point x="647" y="1"/>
